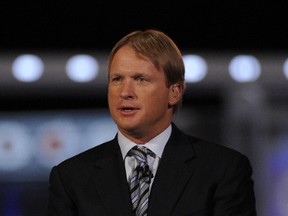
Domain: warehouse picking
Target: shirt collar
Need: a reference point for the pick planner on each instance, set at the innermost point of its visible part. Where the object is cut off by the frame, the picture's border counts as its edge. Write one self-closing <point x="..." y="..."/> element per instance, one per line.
<point x="156" y="144"/>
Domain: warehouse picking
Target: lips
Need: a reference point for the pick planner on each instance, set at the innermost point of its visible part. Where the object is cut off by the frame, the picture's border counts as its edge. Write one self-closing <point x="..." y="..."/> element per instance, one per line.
<point x="128" y="110"/>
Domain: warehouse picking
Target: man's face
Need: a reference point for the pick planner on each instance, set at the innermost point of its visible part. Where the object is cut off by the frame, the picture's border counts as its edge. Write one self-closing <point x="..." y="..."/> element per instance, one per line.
<point x="139" y="99"/>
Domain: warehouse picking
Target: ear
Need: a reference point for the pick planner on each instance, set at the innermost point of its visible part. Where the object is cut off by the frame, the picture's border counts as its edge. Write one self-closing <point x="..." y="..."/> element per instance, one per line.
<point x="175" y="93"/>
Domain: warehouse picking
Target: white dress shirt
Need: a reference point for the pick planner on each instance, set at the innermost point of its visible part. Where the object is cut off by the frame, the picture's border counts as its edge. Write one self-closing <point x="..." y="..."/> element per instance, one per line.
<point x="156" y="145"/>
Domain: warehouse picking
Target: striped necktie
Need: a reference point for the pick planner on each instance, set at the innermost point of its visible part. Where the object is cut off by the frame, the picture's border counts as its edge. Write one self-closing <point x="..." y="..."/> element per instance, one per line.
<point x="140" y="180"/>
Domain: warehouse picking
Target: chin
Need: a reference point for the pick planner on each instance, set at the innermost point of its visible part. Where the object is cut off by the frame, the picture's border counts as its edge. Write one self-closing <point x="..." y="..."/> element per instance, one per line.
<point x="130" y="128"/>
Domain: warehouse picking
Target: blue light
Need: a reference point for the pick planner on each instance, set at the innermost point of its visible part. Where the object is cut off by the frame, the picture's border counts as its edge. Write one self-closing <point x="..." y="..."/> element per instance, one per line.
<point x="27" y="68"/>
<point x="195" y="68"/>
<point x="82" y="68"/>
<point x="244" y="68"/>
<point x="12" y="200"/>
<point x="15" y="146"/>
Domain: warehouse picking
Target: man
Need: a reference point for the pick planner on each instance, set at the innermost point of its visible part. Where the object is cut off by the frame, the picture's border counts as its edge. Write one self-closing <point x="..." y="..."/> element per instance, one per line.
<point x="174" y="174"/>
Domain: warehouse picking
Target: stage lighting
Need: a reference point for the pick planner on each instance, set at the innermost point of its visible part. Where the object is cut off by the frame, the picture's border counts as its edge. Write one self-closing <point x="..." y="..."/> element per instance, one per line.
<point x="244" y="68"/>
<point x="27" y="68"/>
<point x="195" y="68"/>
<point x="82" y="68"/>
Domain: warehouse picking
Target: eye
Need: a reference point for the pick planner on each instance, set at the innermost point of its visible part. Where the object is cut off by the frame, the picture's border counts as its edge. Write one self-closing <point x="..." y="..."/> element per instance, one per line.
<point x="140" y="79"/>
<point x="116" y="79"/>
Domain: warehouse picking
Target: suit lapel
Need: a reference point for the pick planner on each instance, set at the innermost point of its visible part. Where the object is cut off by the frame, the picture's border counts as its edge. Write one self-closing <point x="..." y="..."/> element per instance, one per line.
<point x="174" y="171"/>
<point x="110" y="181"/>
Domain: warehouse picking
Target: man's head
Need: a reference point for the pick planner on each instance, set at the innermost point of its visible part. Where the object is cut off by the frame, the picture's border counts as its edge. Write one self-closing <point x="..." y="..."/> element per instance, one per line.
<point x="161" y="50"/>
<point x="146" y="82"/>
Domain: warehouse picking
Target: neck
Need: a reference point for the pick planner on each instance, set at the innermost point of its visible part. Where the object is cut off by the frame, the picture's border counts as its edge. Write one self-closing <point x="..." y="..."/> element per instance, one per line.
<point x="143" y="136"/>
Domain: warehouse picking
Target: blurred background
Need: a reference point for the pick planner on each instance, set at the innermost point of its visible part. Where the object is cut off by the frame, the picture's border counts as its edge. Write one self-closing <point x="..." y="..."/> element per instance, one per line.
<point x="53" y="80"/>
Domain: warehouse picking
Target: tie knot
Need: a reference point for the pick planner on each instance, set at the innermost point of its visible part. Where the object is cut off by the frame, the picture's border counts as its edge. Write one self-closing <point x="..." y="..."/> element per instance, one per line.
<point x="140" y="153"/>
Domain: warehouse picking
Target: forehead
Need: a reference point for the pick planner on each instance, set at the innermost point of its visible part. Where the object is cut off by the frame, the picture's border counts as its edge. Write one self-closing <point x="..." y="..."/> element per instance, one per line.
<point x="126" y="57"/>
<point x="128" y="51"/>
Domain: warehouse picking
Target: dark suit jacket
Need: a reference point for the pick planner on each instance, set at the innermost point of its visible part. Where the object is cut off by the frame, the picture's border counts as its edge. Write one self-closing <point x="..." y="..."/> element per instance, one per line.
<point x="194" y="177"/>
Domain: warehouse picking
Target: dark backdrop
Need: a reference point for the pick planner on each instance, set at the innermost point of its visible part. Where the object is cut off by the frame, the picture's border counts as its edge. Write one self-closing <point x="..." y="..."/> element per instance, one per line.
<point x="202" y="25"/>
<point x="251" y="118"/>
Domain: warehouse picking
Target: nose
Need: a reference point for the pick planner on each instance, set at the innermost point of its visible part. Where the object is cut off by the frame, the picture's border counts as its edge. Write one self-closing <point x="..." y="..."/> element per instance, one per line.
<point x="127" y="90"/>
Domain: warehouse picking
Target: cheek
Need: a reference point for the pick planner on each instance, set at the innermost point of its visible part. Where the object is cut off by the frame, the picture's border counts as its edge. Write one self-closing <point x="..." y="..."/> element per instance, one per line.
<point x="158" y="100"/>
<point x="111" y="99"/>
<point x="112" y="93"/>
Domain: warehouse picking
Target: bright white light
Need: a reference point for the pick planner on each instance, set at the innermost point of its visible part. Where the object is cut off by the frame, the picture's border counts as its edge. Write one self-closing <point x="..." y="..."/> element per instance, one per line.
<point x="244" y="68"/>
<point x="195" y="68"/>
<point x="82" y="68"/>
<point x="27" y="68"/>
<point x="285" y="68"/>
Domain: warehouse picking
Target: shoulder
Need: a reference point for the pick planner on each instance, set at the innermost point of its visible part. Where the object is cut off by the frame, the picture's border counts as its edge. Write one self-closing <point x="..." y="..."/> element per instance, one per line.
<point x="213" y="149"/>
<point x="78" y="169"/>
<point x="218" y="159"/>
<point x="90" y="156"/>
<point x="207" y="150"/>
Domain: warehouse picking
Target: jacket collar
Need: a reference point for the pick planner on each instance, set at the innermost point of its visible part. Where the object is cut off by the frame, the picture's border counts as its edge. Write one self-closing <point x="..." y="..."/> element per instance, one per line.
<point x="109" y="179"/>
<point x="175" y="169"/>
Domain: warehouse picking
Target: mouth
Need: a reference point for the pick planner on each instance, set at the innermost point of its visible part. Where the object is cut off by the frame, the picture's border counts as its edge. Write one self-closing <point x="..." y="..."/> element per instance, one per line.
<point x="127" y="110"/>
